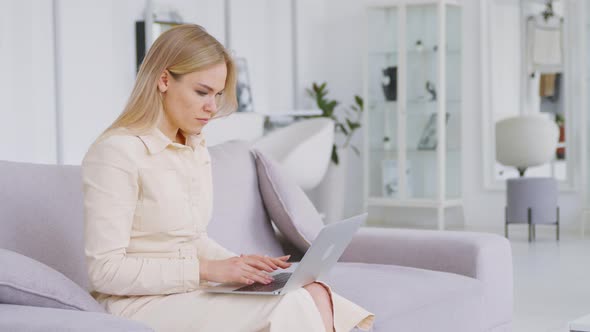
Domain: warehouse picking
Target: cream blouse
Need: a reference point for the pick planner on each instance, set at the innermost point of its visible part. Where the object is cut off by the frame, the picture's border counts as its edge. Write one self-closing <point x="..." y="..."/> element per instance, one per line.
<point x="147" y="204"/>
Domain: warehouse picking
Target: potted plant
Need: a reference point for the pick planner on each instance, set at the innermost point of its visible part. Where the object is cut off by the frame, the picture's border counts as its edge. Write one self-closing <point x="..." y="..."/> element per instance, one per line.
<point x="351" y="123"/>
<point x="329" y="196"/>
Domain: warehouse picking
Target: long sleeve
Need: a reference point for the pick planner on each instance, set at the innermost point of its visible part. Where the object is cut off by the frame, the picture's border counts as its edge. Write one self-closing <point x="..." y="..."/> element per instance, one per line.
<point x="111" y="191"/>
<point x="210" y="249"/>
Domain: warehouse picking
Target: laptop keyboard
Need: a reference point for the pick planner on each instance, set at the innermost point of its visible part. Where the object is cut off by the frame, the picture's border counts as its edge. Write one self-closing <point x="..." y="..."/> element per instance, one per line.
<point x="279" y="282"/>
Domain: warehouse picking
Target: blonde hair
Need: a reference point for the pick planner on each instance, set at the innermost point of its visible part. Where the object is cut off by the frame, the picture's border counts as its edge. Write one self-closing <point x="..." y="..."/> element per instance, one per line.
<point x="181" y="50"/>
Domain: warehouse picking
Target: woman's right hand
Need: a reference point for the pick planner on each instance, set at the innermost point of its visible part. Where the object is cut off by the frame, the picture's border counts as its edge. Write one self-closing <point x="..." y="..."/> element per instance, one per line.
<point x="233" y="270"/>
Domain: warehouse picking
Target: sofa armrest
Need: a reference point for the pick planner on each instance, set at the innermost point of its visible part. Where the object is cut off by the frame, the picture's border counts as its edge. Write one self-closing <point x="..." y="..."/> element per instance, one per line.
<point x="482" y="256"/>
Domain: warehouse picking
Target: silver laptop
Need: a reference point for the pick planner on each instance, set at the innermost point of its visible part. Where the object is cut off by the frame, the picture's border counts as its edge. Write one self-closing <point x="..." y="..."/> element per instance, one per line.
<point x="321" y="256"/>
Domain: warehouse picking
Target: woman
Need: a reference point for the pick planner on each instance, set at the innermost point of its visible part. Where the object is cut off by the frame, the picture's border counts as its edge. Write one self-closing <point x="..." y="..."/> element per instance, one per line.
<point x="147" y="198"/>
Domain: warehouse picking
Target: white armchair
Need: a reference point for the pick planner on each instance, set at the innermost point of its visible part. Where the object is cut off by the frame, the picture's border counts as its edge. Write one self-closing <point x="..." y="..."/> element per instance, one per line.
<point x="303" y="149"/>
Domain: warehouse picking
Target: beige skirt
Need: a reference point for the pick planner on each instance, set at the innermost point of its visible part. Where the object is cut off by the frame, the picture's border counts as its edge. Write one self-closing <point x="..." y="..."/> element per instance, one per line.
<point x="199" y="311"/>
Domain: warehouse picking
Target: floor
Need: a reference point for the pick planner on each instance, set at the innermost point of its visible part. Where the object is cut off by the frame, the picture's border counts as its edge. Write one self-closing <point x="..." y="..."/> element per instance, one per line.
<point x="551" y="279"/>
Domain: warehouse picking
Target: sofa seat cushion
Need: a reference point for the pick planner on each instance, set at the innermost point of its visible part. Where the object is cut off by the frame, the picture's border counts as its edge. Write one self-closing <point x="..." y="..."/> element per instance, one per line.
<point x="409" y="299"/>
<point x="32" y="319"/>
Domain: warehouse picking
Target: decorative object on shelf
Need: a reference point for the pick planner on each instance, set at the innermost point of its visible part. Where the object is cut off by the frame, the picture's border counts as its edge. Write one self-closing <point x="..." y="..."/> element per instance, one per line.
<point x="429" y="139"/>
<point x="243" y="90"/>
<point x="389" y="83"/>
<point x="351" y="122"/>
<point x="419" y="46"/>
<point x="548" y="12"/>
<point x="390" y="179"/>
<point x="551" y="93"/>
<point x="386" y="143"/>
<point x="431" y="89"/>
<point x="544" y="42"/>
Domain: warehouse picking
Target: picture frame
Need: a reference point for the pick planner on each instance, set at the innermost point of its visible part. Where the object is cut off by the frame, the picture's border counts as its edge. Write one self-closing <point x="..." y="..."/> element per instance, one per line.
<point x="243" y="88"/>
<point x="429" y="138"/>
<point x="158" y="27"/>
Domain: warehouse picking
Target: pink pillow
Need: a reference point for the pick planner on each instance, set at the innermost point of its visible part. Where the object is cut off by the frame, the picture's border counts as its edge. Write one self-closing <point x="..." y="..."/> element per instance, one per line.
<point x="287" y="205"/>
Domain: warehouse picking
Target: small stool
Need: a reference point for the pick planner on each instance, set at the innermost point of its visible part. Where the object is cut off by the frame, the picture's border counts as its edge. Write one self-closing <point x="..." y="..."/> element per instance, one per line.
<point x="531" y="201"/>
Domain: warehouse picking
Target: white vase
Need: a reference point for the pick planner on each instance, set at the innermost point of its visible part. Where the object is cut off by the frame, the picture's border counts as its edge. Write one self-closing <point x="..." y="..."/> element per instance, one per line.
<point x="330" y="194"/>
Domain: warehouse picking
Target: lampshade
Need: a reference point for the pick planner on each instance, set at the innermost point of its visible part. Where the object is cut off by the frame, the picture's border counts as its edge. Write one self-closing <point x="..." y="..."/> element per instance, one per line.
<point x="526" y="141"/>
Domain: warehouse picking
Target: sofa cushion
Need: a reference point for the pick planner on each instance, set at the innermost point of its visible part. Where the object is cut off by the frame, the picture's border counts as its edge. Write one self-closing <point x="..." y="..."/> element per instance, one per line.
<point x="17" y="318"/>
<point x="25" y="281"/>
<point x="289" y="208"/>
<point x="239" y="221"/>
<point x="409" y="299"/>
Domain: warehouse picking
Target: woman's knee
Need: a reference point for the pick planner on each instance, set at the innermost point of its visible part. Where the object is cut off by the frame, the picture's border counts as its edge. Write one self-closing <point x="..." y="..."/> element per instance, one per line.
<point x="320" y="295"/>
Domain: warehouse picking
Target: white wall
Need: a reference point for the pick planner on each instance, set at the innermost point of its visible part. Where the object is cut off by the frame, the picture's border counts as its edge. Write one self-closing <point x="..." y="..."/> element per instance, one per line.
<point x="98" y="72"/>
<point x="27" y="108"/>
<point x="260" y="32"/>
<point x="343" y="49"/>
<point x="98" y="61"/>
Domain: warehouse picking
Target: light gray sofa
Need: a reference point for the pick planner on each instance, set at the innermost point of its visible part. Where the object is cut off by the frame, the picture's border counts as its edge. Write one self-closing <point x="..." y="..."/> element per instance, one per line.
<point x="413" y="280"/>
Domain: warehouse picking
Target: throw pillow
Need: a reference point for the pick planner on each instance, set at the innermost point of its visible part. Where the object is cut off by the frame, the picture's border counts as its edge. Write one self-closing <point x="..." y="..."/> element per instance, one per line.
<point x="287" y="205"/>
<point x="25" y="281"/>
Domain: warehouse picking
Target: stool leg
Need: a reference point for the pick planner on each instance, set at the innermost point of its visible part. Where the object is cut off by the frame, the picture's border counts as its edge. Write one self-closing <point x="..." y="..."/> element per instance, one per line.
<point x="506" y="222"/>
<point x="529" y="215"/>
<point x="557" y="226"/>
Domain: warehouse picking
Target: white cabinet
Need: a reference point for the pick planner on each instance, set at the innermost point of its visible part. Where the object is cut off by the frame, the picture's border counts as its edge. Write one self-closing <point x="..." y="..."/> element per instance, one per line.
<point x="413" y="105"/>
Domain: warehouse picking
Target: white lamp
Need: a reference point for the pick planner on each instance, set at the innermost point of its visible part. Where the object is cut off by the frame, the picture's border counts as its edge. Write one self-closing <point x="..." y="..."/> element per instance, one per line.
<point x="526" y="141"/>
<point x="522" y="142"/>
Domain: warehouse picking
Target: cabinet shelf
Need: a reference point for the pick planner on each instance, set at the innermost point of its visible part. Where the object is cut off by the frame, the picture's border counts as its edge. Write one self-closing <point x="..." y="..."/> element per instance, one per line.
<point x="411" y="123"/>
<point x="413" y="150"/>
<point x="413" y="101"/>
<point x="412" y="52"/>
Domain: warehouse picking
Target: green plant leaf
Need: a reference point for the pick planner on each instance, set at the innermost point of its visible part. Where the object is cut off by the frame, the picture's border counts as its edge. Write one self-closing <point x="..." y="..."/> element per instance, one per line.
<point x="353" y="125"/>
<point x="359" y="101"/>
<point x="335" y="155"/>
<point x="342" y="128"/>
<point x="355" y="149"/>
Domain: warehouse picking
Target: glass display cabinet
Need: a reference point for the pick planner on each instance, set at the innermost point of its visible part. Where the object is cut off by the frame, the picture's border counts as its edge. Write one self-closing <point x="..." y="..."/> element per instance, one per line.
<point x="412" y="89"/>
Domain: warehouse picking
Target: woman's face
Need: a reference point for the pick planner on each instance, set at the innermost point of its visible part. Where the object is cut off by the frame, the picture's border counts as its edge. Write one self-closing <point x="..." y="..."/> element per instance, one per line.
<point x="191" y="100"/>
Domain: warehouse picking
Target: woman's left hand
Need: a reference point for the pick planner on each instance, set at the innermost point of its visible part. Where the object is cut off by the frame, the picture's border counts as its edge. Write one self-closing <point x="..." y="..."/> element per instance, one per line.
<point x="265" y="263"/>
